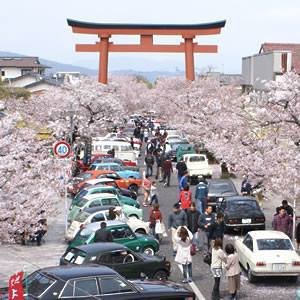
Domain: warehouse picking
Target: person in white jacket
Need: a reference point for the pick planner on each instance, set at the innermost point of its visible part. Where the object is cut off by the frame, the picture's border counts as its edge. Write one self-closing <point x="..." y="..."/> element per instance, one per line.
<point x="183" y="255"/>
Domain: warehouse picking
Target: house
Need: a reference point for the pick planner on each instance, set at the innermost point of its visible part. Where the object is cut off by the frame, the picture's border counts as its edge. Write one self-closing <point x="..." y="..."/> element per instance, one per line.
<point x="12" y="67"/>
<point x="272" y="61"/>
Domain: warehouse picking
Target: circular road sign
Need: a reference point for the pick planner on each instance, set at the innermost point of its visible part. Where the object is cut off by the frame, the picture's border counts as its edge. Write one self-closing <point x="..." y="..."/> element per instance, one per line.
<point x="61" y="149"/>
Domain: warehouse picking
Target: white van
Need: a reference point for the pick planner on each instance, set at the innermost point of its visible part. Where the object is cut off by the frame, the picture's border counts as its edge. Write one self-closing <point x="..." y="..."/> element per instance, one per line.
<point x="123" y="150"/>
<point x="197" y="164"/>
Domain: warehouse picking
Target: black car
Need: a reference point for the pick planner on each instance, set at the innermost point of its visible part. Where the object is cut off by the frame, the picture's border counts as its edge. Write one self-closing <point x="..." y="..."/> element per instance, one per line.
<point x="118" y="257"/>
<point x="218" y="189"/>
<point x="95" y="282"/>
<point x="241" y="212"/>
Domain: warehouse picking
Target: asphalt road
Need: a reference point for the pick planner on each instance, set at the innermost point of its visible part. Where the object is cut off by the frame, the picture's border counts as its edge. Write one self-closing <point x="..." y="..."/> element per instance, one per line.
<point x="15" y="257"/>
<point x="265" y="288"/>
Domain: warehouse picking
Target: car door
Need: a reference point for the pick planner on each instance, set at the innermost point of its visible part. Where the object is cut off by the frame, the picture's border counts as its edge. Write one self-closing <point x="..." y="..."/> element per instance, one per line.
<point x="124" y="235"/>
<point x="110" y="202"/>
<point x="246" y="252"/>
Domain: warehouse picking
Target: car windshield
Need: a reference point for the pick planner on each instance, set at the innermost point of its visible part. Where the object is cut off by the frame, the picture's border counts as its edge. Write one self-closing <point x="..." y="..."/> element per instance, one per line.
<point x="81" y="194"/>
<point x="37" y="283"/>
<point x="82" y="217"/>
<point x="219" y="188"/>
<point x="274" y="244"/>
<point x="242" y="205"/>
<point x="81" y="202"/>
<point x="197" y="158"/>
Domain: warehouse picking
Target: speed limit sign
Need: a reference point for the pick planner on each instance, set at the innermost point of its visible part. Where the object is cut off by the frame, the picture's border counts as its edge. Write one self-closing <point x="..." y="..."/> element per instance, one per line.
<point x="61" y="149"/>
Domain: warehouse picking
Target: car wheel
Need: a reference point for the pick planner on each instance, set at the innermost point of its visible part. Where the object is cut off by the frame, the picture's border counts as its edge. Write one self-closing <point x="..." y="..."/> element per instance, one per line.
<point x="251" y="277"/>
<point x="149" y="250"/>
<point x="133" y="187"/>
<point x="160" y="275"/>
<point x="141" y="231"/>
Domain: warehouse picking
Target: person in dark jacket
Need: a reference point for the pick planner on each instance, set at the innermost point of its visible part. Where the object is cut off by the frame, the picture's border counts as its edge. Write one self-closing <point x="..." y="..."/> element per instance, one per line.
<point x="205" y="222"/>
<point x="283" y="222"/>
<point x="102" y="234"/>
<point x="216" y="230"/>
<point x="201" y="194"/>
<point x="192" y="216"/>
<point x="181" y="168"/>
<point x="246" y="186"/>
<point x="167" y="170"/>
<point x="176" y="219"/>
<point x="149" y="160"/>
<point x="287" y="207"/>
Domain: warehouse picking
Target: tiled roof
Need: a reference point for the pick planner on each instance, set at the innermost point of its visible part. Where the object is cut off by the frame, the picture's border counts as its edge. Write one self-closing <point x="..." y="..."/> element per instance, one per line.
<point x="21" y="62"/>
<point x="294" y="48"/>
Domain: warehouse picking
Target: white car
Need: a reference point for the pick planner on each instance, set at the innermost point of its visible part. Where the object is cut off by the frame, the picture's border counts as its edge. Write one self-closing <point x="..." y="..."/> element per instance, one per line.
<point x="98" y="214"/>
<point x="197" y="165"/>
<point x="268" y="253"/>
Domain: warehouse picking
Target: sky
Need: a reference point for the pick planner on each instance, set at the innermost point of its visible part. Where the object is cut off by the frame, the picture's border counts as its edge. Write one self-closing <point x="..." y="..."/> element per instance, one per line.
<point x="39" y="28"/>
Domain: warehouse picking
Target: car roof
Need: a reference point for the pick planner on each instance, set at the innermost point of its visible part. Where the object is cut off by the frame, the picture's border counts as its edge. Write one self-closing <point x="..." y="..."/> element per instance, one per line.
<point x="92" y="210"/>
<point x="96" y="225"/>
<point x="71" y="271"/>
<point x="239" y="197"/>
<point x="99" y="195"/>
<point x="98" y="172"/>
<point x="101" y="247"/>
<point x="193" y="154"/>
<point x="106" y="164"/>
<point x="100" y="186"/>
<point x="270" y="234"/>
<point x="220" y="180"/>
<point x="99" y="180"/>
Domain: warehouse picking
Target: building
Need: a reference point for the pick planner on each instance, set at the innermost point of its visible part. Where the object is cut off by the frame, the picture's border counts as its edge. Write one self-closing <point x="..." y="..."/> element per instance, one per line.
<point x="272" y="61"/>
<point x="12" y="67"/>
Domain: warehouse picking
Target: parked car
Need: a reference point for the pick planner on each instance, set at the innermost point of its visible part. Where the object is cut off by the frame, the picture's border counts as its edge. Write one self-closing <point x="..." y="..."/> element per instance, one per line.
<point x="268" y="253"/>
<point x="171" y="147"/>
<point x="242" y="212"/>
<point x="110" y="182"/>
<point x="125" y="164"/>
<point x="98" y="214"/>
<point x="121" y="233"/>
<point x="98" y="189"/>
<point x="101" y="200"/>
<point x="95" y="282"/>
<point x="84" y="167"/>
<point x="118" y="257"/>
<point x="197" y="165"/>
<point x="116" y="168"/>
<point x="218" y="189"/>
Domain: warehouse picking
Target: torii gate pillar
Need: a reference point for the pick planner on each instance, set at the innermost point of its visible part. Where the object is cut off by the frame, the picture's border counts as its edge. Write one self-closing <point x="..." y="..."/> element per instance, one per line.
<point x="146" y="32"/>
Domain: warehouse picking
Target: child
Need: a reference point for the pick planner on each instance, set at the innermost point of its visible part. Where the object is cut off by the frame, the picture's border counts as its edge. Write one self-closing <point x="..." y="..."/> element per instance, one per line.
<point x="153" y="193"/>
<point x="154" y="217"/>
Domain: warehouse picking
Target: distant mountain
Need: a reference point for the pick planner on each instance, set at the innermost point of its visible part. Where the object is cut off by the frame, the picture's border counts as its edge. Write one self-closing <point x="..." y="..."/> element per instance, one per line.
<point x="56" y="66"/>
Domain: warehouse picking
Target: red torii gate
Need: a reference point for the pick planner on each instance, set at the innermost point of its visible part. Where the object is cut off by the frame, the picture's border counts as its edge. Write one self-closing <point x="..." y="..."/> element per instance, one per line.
<point x="146" y="32"/>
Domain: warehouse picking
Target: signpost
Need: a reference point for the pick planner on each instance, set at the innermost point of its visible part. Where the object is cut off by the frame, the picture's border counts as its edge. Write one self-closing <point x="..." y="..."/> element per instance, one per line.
<point x="62" y="149"/>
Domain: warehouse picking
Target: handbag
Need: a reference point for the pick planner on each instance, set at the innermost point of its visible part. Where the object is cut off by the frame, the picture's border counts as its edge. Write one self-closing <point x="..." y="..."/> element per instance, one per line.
<point x="207" y="258"/>
<point x="158" y="228"/>
<point x="193" y="249"/>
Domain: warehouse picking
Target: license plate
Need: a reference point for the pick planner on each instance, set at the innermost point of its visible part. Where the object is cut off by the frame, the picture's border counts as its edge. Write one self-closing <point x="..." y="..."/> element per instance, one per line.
<point x="278" y="267"/>
<point x="246" y="221"/>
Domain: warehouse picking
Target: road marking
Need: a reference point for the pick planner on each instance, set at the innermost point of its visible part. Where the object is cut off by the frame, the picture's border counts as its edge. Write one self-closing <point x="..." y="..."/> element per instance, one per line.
<point x="195" y="289"/>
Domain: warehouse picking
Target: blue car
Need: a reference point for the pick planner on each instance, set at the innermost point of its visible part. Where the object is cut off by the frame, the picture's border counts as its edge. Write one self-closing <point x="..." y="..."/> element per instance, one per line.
<point x="116" y="168"/>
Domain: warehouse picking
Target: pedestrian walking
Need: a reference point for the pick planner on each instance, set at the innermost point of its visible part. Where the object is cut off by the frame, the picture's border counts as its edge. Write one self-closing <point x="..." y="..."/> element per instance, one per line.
<point x="132" y="143"/>
<point x="201" y="194"/>
<point x="149" y="160"/>
<point x="192" y="216"/>
<point x="147" y="188"/>
<point x="146" y="135"/>
<point x="283" y="222"/>
<point x="153" y="193"/>
<point x="205" y="221"/>
<point x="183" y="255"/>
<point x="185" y="198"/>
<point x="217" y="229"/>
<point x="176" y="219"/>
<point x="287" y="207"/>
<point x="233" y="271"/>
<point x="246" y="186"/>
<point x="184" y="181"/>
<point x="218" y="258"/>
<point x="159" y="157"/>
<point x="155" y="216"/>
<point x="167" y="170"/>
<point x="181" y="168"/>
<point x="102" y="234"/>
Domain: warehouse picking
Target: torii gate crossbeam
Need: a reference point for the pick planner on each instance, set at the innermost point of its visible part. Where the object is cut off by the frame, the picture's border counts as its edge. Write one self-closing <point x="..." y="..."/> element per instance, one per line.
<point x="146" y="33"/>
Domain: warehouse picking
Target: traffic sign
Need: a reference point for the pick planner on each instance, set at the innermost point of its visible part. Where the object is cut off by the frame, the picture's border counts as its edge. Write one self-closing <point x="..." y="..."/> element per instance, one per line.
<point x="61" y="149"/>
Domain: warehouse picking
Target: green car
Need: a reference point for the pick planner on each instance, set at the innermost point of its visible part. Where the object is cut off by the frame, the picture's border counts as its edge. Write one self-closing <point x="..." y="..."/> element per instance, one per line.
<point x="184" y="149"/>
<point x="103" y="189"/>
<point x="121" y="233"/>
<point x="103" y="199"/>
